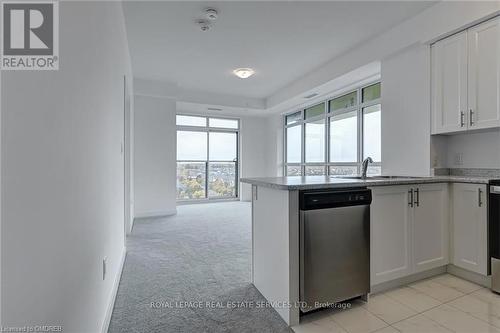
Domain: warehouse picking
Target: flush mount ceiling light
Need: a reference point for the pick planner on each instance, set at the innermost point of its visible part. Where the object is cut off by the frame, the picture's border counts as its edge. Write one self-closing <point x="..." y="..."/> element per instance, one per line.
<point x="243" y="73"/>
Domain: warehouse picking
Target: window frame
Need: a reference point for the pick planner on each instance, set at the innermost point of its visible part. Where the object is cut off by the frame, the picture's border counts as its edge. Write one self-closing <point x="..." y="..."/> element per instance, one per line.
<point x="207" y="129"/>
<point x="360" y="105"/>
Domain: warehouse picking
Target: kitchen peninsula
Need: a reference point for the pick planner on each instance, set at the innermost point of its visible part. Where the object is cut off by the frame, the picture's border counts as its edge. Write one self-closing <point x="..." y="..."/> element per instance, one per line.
<point x="275" y="228"/>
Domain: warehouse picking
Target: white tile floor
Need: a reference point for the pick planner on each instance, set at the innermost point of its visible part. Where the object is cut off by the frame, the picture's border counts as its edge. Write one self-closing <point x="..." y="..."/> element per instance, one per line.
<point x="440" y="304"/>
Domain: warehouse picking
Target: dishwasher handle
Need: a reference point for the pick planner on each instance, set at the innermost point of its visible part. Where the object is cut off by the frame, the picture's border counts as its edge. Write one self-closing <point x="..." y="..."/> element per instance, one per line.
<point x="310" y="200"/>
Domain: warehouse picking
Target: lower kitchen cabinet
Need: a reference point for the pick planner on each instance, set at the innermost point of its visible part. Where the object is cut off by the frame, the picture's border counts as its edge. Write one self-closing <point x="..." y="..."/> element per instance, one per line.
<point x="430" y="226"/>
<point x="470" y="227"/>
<point x="409" y="230"/>
<point x="389" y="234"/>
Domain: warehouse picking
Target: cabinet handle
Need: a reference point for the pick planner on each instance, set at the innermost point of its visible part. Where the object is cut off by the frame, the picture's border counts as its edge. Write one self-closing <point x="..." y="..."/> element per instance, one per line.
<point x="410" y="198"/>
<point x="471" y="120"/>
<point x="480" y="197"/>
<point x="462" y="119"/>
<point x="417" y="201"/>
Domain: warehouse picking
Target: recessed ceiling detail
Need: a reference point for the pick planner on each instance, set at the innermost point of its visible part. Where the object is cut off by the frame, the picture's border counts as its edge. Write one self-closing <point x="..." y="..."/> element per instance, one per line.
<point x="283" y="40"/>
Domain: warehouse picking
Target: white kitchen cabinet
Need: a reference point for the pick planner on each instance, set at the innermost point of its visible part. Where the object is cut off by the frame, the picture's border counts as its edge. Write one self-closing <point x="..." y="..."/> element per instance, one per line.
<point x="449" y="84"/>
<point x="484" y="75"/>
<point x="465" y="75"/>
<point x="390" y="233"/>
<point x="409" y="230"/>
<point x="470" y="227"/>
<point x="430" y="226"/>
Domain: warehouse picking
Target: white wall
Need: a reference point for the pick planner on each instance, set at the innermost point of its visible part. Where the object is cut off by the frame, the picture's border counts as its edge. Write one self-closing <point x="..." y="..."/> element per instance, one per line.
<point x="275" y="156"/>
<point x="405" y="81"/>
<point x="155" y="156"/>
<point x="479" y="150"/>
<point x="254" y="148"/>
<point x="62" y="176"/>
<point x="1" y="186"/>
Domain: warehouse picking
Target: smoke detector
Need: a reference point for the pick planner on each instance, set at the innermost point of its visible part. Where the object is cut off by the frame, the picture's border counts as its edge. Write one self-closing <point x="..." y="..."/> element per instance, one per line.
<point x="203" y="24"/>
<point x="211" y="14"/>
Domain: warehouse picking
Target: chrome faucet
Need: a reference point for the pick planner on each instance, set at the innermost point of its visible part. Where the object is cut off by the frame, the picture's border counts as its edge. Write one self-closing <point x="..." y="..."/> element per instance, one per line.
<point x="364" y="166"/>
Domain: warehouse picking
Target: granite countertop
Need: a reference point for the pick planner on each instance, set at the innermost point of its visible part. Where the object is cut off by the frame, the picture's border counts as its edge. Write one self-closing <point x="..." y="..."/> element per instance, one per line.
<point x="322" y="182"/>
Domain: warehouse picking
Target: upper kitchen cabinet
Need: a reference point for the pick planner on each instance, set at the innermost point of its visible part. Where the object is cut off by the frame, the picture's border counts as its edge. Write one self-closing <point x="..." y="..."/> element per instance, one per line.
<point x="466" y="80"/>
<point x="449" y="84"/>
<point x="484" y="75"/>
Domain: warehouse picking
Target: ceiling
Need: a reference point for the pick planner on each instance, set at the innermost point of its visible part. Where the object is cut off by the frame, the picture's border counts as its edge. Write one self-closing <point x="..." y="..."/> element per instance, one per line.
<point x="281" y="40"/>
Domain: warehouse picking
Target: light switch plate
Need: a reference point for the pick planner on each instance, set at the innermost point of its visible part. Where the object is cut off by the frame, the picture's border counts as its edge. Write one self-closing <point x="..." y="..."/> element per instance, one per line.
<point x="459" y="159"/>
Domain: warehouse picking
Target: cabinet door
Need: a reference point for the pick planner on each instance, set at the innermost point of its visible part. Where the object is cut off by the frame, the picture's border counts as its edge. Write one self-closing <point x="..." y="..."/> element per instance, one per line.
<point x="390" y="241"/>
<point x="470" y="227"/>
<point x="484" y="75"/>
<point x="449" y="84"/>
<point x="430" y="227"/>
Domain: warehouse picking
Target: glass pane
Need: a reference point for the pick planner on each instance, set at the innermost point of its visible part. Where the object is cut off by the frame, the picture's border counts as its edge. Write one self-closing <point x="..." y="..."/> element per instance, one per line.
<point x="223" y="123"/>
<point x="315" y="170"/>
<point x="345" y="101"/>
<point x="190" y="180"/>
<point x="221" y="179"/>
<point x="344" y="170"/>
<point x="372" y="132"/>
<point x="315" y="111"/>
<point x="293" y="170"/>
<point x="191" y="121"/>
<point x="371" y="92"/>
<point x="222" y="146"/>
<point x="374" y="170"/>
<point x="293" y="118"/>
<point x="344" y="137"/>
<point x="315" y="141"/>
<point x="191" y="146"/>
<point x="293" y="144"/>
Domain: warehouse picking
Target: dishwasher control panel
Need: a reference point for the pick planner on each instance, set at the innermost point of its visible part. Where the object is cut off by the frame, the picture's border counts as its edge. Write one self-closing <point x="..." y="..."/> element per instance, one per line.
<point x="334" y="198"/>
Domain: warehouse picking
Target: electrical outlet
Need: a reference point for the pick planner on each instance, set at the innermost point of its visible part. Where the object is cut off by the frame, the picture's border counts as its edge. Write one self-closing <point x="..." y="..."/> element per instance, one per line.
<point x="459" y="159"/>
<point x="435" y="161"/>
<point x="104" y="263"/>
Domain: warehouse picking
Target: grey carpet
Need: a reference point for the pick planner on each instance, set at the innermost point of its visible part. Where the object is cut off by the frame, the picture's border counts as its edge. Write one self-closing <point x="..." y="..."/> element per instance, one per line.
<point x="203" y="254"/>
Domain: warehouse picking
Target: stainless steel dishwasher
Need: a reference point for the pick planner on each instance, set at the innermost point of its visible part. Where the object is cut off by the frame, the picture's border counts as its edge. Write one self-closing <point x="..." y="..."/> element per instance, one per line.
<point x="334" y="246"/>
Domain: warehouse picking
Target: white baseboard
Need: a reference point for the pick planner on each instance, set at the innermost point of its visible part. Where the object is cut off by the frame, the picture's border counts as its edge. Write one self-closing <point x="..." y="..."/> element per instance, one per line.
<point x="384" y="286"/>
<point x="482" y="280"/>
<point x="159" y="213"/>
<point x="116" y="283"/>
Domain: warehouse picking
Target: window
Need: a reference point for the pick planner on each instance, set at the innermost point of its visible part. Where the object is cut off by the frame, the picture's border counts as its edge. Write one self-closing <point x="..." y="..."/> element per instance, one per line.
<point x="294" y="149"/>
<point x="190" y="121"/>
<point x="223" y="123"/>
<point x="207" y="158"/>
<point x="371" y="130"/>
<point x="344" y="138"/>
<point x="315" y="141"/>
<point x="335" y="136"/>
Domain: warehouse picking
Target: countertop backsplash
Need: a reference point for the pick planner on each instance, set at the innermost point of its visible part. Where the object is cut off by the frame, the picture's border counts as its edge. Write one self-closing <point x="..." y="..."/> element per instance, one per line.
<point x="468" y="172"/>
